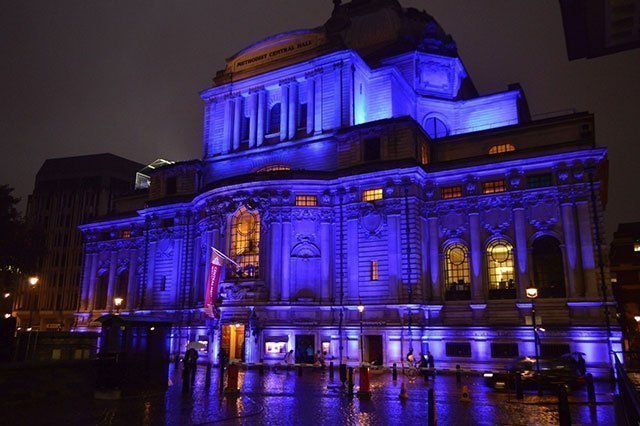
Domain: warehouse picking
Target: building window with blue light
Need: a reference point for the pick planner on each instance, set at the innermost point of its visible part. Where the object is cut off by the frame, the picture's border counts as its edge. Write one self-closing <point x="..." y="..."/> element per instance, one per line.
<point x="274" y="119"/>
<point x="306" y="200"/>
<point x="451" y="192"/>
<point x="370" y="195"/>
<point x="494" y="186"/>
<point x="500" y="270"/>
<point x="548" y="268"/>
<point x="435" y="128"/>
<point x="499" y="149"/>
<point x="245" y="242"/>
<point x="539" y="181"/>
<point x="456" y="271"/>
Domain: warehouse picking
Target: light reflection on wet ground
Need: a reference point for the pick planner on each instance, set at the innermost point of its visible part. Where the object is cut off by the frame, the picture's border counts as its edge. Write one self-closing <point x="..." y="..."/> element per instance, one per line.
<point x="283" y="398"/>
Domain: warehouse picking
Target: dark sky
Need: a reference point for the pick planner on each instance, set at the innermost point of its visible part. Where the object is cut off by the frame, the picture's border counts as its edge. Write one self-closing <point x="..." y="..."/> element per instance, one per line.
<point x="88" y="76"/>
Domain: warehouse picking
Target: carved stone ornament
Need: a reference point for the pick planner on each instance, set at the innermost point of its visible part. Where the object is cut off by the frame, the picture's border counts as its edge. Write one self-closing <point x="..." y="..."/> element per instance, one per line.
<point x="371" y="219"/>
<point x="497" y="220"/>
<point x="453" y="225"/>
<point x="165" y="247"/>
<point x="543" y="211"/>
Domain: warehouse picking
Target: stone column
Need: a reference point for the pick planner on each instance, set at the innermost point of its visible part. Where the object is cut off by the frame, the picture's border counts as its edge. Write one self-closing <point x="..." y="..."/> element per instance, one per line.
<point x="587" y="250"/>
<point x="568" y="227"/>
<point x="253" y="117"/>
<point x="317" y="108"/>
<point x="91" y="290"/>
<point x="227" y="130"/>
<point x="176" y="273"/>
<point x="151" y="267"/>
<point x="284" y="111"/>
<point x="293" y="110"/>
<point x="260" y="125"/>
<point x="477" y="278"/>
<point x="521" y="251"/>
<point x="395" y="256"/>
<point x="424" y="257"/>
<point x="434" y="256"/>
<point x="129" y="302"/>
<point x="275" y="256"/>
<point x="286" y="259"/>
<point x="237" y="122"/>
<point x="352" y="259"/>
<point x="113" y="271"/>
<point x="311" y="103"/>
<point x="326" y="253"/>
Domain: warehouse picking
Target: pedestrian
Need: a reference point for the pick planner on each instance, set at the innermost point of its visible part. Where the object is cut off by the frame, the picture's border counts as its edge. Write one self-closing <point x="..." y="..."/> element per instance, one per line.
<point x="191" y="364"/>
<point x="430" y="361"/>
<point x="309" y="354"/>
<point x="410" y="357"/>
<point x="322" y="357"/>
<point x="289" y="358"/>
<point x="582" y="365"/>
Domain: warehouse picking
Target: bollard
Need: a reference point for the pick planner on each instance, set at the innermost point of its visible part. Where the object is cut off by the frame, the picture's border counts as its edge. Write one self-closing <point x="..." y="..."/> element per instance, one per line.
<point x="458" y="374"/>
<point x="395" y="372"/>
<point x="591" y="391"/>
<point x="299" y="370"/>
<point x="232" y="379"/>
<point x="431" y="408"/>
<point x="403" y="392"/>
<point x="350" y="381"/>
<point x="331" y="371"/>
<point x="563" y="406"/>
<point x="519" y="392"/>
<point x="464" y="396"/>
<point x="261" y="367"/>
<point x="343" y="373"/>
<point x="207" y="379"/>
<point x="364" y="383"/>
<point x="425" y="372"/>
<point x="186" y="376"/>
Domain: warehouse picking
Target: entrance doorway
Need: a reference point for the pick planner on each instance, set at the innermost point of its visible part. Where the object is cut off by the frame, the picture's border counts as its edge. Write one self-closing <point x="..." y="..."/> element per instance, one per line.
<point x="373" y="349"/>
<point x="305" y="348"/>
<point x="233" y="341"/>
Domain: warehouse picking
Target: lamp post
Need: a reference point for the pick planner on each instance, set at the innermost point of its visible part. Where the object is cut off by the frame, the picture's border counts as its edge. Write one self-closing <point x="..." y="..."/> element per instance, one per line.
<point x="32" y="284"/>
<point x="361" y="310"/>
<point x="532" y="293"/>
<point x="117" y="301"/>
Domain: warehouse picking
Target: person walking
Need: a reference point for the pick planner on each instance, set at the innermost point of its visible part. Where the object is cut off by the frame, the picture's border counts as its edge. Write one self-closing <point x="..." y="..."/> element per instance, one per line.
<point x="191" y="364"/>
<point x="431" y="364"/>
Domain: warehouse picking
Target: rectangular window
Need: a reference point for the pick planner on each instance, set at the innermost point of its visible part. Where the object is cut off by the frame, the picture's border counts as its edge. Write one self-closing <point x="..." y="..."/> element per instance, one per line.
<point x="636" y="246"/>
<point x="451" y="192"/>
<point x="424" y="154"/>
<point x="372" y="194"/>
<point x="172" y="185"/>
<point x="539" y="181"/>
<point x="553" y="350"/>
<point x="275" y="348"/>
<point x="494" y="186"/>
<point x="374" y="270"/>
<point x="504" y="350"/>
<point x="458" y="350"/>
<point x="125" y="233"/>
<point x="371" y="149"/>
<point x="306" y="200"/>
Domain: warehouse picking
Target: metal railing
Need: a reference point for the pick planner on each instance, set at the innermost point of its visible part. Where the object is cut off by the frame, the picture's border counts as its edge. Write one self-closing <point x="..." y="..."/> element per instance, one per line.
<point x="627" y="390"/>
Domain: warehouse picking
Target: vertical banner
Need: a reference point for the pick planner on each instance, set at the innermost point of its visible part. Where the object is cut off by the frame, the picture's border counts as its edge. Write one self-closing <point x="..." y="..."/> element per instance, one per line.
<point x="211" y="294"/>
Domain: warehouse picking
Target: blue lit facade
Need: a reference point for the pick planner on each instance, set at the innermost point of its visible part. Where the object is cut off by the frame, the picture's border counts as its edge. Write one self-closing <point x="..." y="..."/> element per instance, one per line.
<point x="356" y="163"/>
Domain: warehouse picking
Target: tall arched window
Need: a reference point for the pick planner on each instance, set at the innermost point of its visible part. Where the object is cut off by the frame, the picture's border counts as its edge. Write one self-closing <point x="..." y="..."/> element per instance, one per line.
<point x="456" y="272"/>
<point x="274" y="119"/>
<point x="435" y="127"/>
<point x="245" y="242"/>
<point x="548" y="270"/>
<point x="500" y="269"/>
<point x="122" y="287"/>
<point x="102" y="289"/>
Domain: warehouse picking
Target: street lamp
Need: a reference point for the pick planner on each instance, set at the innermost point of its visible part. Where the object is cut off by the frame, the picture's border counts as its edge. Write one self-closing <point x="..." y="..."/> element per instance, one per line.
<point x="33" y="280"/>
<point x="532" y="293"/>
<point x="118" y="302"/>
<point x="361" y="310"/>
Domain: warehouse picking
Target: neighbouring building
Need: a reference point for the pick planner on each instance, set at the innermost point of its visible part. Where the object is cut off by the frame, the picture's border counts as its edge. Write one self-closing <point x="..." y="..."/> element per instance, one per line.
<point x="355" y="164"/>
<point x="67" y="192"/>
<point x="625" y="277"/>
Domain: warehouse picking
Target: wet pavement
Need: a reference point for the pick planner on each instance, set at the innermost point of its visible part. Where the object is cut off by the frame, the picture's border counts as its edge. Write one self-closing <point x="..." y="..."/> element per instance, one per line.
<point x="284" y="398"/>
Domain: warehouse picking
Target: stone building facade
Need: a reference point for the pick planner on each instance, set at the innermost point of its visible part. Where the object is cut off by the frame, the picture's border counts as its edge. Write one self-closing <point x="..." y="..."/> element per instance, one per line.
<point x="356" y="164"/>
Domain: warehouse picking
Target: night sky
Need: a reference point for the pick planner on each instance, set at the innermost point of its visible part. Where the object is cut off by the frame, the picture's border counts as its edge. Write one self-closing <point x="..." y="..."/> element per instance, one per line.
<point x="86" y="76"/>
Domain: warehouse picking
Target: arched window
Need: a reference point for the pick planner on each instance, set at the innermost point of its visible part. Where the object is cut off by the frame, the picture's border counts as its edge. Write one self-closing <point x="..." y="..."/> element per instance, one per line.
<point x="435" y="128"/>
<point x="548" y="270"/>
<point x="456" y="272"/>
<point x="102" y="288"/>
<point x="245" y="242"/>
<point x="274" y="119"/>
<point x="274" y="168"/>
<point x="122" y="287"/>
<point x="500" y="268"/>
<point x="499" y="149"/>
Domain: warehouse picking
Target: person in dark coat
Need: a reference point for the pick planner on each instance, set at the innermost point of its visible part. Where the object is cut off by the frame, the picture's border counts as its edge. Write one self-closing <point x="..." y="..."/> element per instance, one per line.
<point x="430" y="361"/>
<point x="582" y="365"/>
<point x="191" y="364"/>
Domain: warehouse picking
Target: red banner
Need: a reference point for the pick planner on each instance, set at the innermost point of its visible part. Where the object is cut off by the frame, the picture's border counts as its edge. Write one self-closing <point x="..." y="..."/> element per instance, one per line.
<point x="211" y="294"/>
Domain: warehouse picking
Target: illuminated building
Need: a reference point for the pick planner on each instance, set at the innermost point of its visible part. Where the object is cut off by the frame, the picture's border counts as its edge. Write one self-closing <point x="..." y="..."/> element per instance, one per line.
<point x="356" y="163"/>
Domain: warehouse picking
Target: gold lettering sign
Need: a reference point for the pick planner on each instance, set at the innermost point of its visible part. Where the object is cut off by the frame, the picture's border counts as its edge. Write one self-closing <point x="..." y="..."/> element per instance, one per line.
<point x="275" y="48"/>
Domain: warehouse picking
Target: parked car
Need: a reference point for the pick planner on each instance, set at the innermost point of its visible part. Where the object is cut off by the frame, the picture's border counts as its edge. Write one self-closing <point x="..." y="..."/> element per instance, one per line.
<point x="553" y="372"/>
